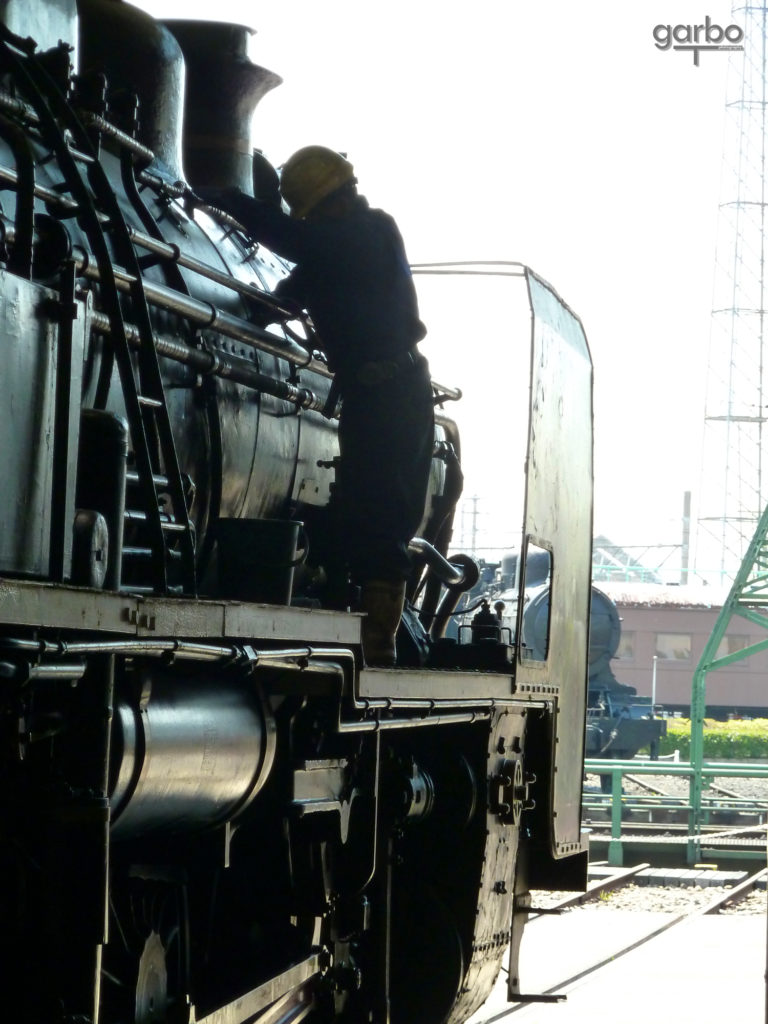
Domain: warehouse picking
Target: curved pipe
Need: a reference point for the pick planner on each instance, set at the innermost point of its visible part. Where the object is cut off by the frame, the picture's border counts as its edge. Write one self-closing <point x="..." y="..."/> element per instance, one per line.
<point x="458" y="576"/>
<point x="452" y="574"/>
<point x="451" y="599"/>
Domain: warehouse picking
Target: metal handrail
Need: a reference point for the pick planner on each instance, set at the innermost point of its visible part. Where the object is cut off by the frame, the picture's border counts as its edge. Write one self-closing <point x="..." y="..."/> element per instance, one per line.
<point x="698" y="801"/>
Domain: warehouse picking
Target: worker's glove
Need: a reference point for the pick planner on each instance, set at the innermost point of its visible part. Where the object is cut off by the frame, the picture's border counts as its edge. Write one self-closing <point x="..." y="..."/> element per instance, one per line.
<point x="230" y="200"/>
<point x="293" y="310"/>
<point x="260" y="314"/>
<point x="215" y="195"/>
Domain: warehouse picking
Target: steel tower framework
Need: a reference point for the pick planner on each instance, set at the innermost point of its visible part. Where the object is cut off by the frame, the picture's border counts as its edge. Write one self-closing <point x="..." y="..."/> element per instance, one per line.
<point x="734" y="484"/>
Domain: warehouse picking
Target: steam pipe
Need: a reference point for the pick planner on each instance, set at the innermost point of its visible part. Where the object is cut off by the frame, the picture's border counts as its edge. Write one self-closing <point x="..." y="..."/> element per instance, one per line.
<point x="205" y="314"/>
<point x="451" y="599"/>
<point x="164" y="249"/>
<point x="227" y="367"/>
<point x="162" y="648"/>
<point x="100" y="124"/>
<point x="201" y="312"/>
<point x="173" y="252"/>
<point x="457" y="575"/>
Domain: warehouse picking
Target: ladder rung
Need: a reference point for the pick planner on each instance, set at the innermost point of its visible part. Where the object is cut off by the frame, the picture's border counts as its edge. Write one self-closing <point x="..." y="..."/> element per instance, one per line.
<point x="172" y="525"/>
<point x="135" y="515"/>
<point x="129" y="588"/>
<point x="137" y="552"/>
<point x="132" y="478"/>
<point x="146" y="553"/>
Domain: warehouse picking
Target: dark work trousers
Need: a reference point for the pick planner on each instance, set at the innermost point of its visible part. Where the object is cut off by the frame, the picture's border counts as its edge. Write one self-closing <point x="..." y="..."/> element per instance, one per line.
<point x="386" y="437"/>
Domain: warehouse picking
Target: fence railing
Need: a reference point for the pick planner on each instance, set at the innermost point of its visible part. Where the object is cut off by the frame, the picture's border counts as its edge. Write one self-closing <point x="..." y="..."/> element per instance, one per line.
<point x="698" y="805"/>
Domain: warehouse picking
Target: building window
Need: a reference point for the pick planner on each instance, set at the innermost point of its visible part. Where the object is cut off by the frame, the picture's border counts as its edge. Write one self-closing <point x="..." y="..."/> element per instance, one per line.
<point x="673" y="646"/>
<point x="626" y="649"/>
<point x="730" y="645"/>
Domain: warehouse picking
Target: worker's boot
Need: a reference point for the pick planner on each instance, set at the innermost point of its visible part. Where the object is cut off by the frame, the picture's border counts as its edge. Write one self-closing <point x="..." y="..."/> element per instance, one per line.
<point x="382" y="601"/>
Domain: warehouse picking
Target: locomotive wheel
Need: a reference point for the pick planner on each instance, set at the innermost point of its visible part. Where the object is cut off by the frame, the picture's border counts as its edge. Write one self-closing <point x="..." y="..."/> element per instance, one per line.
<point x="152" y="982"/>
<point x="143" y="976"/>
<point x="427" y="961"/>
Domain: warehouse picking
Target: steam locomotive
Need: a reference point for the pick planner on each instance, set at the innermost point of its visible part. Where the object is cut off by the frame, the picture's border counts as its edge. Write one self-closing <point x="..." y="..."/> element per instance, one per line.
<point x="619" y="723"/>
<point x="212" y="811"/>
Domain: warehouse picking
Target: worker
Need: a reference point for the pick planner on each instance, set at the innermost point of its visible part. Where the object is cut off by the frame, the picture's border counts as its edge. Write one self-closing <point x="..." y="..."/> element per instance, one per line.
<point x="352" y="276"/>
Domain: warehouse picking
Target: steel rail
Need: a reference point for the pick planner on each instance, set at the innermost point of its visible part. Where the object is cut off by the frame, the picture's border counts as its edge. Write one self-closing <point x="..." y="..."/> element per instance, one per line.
<point x="240" y="654"/>
<point x="600" y="885"/>
<point x="712" y="907"/>
<point x="647" y="786"/>
<point x="712" y="769"/>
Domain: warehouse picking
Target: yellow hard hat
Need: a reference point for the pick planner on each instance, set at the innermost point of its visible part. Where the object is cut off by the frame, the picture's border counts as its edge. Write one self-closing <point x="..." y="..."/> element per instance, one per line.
<point x="312" y="174"/>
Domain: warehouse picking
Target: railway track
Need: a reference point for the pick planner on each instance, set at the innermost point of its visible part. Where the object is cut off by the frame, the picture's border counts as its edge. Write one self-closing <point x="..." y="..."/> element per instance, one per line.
<point x="669" y="842"/>
<point x="615" y="942"/>
<point x="657" y="791"/>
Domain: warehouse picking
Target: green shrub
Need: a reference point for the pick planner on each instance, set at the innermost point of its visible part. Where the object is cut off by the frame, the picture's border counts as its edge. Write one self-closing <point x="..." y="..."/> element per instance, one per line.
<point x="723" y="741"/>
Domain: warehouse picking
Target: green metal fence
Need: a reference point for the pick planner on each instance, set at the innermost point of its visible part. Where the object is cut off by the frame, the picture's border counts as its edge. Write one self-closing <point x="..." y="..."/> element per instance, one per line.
<point x="699" y="806"/>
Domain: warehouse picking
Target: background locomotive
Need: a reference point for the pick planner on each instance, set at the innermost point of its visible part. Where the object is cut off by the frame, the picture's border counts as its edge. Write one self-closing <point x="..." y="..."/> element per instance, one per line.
<point x="619" y="722"/>
<point x="212" y="811"/>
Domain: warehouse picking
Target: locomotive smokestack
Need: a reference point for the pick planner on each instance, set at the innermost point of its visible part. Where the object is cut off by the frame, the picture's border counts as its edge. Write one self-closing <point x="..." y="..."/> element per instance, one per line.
<point x="223" y="89"/>
<point x="138" y="55"/>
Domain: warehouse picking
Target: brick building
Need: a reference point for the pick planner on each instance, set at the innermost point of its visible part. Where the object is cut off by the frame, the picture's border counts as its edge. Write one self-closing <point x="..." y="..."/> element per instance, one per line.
<point x="674" y="623"/>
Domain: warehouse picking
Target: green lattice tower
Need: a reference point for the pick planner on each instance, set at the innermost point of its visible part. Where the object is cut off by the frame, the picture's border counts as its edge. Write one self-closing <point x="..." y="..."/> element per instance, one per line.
<point x="747" y="599"/>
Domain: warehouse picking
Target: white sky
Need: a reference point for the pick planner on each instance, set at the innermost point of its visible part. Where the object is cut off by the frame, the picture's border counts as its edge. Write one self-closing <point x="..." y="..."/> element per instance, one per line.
<point x="553" y="133"/>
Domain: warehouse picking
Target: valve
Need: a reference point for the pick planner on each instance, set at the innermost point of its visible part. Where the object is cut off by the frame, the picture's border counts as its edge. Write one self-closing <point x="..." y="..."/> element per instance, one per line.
<point x="510" y="791"/>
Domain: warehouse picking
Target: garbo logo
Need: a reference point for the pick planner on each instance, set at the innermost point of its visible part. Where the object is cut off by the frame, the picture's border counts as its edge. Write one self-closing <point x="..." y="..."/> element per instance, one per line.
<point x="696" y="38"/>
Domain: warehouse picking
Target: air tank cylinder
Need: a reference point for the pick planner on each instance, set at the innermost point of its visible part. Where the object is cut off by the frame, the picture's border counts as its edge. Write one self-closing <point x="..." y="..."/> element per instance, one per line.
<point x="190" y="754"/>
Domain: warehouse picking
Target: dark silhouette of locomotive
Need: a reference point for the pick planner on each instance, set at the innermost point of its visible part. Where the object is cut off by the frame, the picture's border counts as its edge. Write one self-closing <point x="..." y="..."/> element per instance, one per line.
<point x="619" y="723"/>
<point x="210" y="809"/>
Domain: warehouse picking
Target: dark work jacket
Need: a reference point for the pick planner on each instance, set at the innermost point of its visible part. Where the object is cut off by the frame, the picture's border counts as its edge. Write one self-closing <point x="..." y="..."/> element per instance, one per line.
<point x="351" y="274"/>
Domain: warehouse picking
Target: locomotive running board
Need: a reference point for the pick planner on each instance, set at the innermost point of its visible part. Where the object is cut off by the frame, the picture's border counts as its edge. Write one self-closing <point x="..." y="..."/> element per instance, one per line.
<point x="435" y="685"/>
<point x="27" y="603"/>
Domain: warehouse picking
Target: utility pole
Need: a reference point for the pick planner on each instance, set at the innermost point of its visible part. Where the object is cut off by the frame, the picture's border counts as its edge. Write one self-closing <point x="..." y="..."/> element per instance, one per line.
<point x="686" y="545"/>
